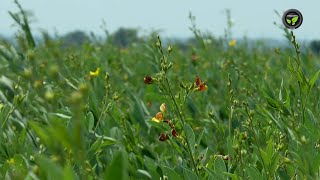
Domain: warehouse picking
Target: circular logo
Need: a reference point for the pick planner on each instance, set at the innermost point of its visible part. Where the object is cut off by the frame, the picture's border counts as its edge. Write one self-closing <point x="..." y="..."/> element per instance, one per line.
<point x="292" y="18"/>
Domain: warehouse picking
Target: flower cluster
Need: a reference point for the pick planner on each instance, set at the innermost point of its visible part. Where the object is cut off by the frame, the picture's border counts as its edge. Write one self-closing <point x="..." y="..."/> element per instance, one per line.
<point x="159" y="118"/>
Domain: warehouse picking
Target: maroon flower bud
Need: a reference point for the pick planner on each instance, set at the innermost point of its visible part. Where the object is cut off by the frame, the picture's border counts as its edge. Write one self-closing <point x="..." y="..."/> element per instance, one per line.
<point x="169" y="123"/>
<point x="148" y="80"/>
<point x="163" y="137"/>
<point x="174" y="133"/>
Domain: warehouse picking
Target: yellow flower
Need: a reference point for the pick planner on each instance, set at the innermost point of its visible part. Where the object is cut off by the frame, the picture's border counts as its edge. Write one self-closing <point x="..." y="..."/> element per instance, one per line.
<point x="95" y="73"/>
<point x="158" y="118"/>
<point x="232" y="43"/>
<point x="155" y="120"/>
<point x="163" y="107"/>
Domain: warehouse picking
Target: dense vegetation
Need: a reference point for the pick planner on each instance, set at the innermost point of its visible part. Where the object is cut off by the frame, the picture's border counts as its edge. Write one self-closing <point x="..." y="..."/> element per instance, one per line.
<point x="140" y="109"/>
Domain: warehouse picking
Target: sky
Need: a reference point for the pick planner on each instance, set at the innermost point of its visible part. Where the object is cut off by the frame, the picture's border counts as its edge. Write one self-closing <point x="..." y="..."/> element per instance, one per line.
<point x="252" y="18"/>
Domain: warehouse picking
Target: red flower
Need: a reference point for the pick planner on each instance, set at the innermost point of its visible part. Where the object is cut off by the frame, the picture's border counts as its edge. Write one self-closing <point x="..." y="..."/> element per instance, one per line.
<point x="200" y="85"/>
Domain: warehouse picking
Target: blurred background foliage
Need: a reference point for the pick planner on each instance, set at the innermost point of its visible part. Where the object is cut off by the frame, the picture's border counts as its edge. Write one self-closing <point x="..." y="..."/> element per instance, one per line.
<point x="58" y="120"/>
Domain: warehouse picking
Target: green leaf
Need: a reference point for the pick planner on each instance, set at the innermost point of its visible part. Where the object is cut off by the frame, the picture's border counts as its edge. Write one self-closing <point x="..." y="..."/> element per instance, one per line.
<point x="108" y="142"/>
<point x="178" y="146"/>
<point x="190" y="136"/>
<point x="292" y="69"/>
<point x="138" y="111"/>
<point x="253" y="172"/>
<point x="314" y="79"/>
<point x="189" y="175"/>
<point x="199" y="137"/>
<point x="1" y="107"/>
<point x="273" y="103"/>
<point x="267" y="91"/>
<point x="89" y="121"/>
<point x="52" y="170"/>
<point x="265" y="158"/>
<point x="274" y="163"/>
<point x="159" y="125"/>
<point x="269" y="150"/>
<point x="63" y="116"/>
<point x="287" y="103"/>
<point x="40" y="131"/>
<point x="170" y="173"/>
<point x="294" y="19"/>
<point x="151" y="167"/>
<point x="212" y="174"/>
<point x="144" y="174"/>
<point x="288" y="21"/>
<point x="102" y="141"/>
<point x="119" y="167"/>
<point x="22" y="137"/>
<point x="232" y="176"/>
<point x="311" y="116"/>
<point x="230" y="148"/>
<point x="219" y="165"/>
<point x="68" y="173"/>
<point x="270" y="116"/>
<point x="96" y="145"/>
<point x="203" y="154"/>
<point x="280" y="91"/>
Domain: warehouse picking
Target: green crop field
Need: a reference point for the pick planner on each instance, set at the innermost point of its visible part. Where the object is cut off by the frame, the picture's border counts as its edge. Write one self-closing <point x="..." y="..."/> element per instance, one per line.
<point x="211" y="108"/>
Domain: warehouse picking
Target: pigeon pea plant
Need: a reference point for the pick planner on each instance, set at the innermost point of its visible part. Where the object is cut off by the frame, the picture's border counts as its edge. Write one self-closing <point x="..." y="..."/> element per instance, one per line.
<point x="184" y="140"/>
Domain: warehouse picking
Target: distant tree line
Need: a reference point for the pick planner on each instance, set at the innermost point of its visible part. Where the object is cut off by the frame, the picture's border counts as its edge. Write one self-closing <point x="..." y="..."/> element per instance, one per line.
<point x="123" y="37"/>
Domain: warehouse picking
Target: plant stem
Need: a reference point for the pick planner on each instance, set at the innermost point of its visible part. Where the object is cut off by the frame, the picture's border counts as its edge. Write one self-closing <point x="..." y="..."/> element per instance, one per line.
<point x="8" y="115"/>
<point x="251" y="128"/>
<point x="183" y="122"/>
<point x="229" y="130"/>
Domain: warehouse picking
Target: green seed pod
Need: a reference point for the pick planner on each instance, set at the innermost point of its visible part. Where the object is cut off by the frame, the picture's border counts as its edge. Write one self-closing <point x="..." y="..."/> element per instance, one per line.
<point x="76" y="97"/>
<point x="107" y="77"/>
<point x="54" y="70"/>
<point x="49" y="95"/>
<point x="158" y="44"/>
<point x="30" y="55"/>
<point x="286" y="160"/>
<point x="115" y="96"/>
<point x="303" y="140"/>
